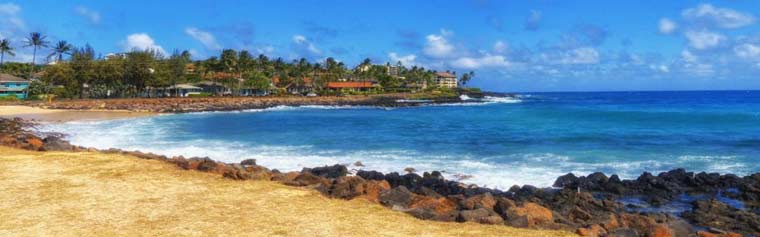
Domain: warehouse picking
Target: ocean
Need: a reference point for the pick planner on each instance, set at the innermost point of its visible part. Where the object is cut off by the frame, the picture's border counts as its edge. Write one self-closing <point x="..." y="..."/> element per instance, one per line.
<point x="496" y="143"/>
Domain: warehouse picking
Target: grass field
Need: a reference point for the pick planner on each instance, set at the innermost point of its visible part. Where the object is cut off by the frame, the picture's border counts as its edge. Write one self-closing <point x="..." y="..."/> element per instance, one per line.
<point x="93" y="194"/>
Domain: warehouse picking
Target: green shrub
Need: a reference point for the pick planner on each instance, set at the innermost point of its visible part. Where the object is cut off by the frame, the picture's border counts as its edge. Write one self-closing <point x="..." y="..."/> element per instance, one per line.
<point x="12" y="98"/>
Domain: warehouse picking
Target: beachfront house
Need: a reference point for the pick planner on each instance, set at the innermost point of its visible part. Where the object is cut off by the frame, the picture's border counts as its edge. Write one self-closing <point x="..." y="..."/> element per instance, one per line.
<point x="13" y="86"/>
<point x="446" y="80"/>
<point x="351" y="86"/>
<point x="184" y="90"/>
<point x="213" y="88"/>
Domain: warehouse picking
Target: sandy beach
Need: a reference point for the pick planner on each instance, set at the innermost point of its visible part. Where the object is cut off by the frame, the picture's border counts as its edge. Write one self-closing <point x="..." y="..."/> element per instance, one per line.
<point x="57" y="115"/>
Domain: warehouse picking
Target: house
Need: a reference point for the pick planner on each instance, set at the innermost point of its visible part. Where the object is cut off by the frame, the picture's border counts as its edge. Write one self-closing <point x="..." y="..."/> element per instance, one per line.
<point x="13" y="86"/>
<point x="446" y="80"/>
<point x="305" y="85"/>
<point x="214" y="88"/>
<point x="351" y="85"/>
<point x="184" y="90"/>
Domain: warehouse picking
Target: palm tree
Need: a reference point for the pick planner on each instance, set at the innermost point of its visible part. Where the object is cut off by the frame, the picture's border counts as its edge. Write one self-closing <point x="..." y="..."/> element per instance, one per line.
<point x="61" y="48"/>
<point x="36" y="40"/>
<point x="5" y="48"/>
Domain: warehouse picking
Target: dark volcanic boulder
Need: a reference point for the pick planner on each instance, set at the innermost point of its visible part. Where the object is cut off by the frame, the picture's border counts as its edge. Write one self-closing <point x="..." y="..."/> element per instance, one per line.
<point x="334" y="171"/>
<point x="398" y="197"/>
<point x="370" y="175"/>
<point x="248" y="162"/>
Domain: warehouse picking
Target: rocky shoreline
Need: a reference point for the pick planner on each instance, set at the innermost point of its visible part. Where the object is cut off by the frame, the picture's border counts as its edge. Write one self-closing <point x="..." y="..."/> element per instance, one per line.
<point x="593" y="205"/>
<point x="184" y="105"/>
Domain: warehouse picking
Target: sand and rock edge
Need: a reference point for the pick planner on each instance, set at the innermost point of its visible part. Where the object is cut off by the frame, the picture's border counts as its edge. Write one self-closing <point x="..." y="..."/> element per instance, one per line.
<point x="586" y="205"/>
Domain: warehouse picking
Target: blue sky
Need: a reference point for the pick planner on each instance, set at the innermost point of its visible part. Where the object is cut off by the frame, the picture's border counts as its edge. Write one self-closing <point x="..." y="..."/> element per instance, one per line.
<point x="539" y="45"/>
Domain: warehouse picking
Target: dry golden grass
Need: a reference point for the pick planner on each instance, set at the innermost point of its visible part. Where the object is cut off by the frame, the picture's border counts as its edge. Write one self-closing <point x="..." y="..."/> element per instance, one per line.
<point x="93" y="194"/>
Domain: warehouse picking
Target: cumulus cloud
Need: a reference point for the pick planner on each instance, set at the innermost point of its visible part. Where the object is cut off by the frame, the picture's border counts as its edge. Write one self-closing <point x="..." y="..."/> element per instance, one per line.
<point x="687" y="56"/>
<point x="720" y="17"/>
<point x="207" y="39"/>
<point x="704" y="39"/>
<point x="438" y="46"/>
<point x="585" y="55"/>
<point x="533" y="21"/>
<point x="667" y="26"/>
<point x="304" y="47"/>
<point x="91" y="15"/>
<point x="485" y="61"/>
<point x="747" y="51"/>
<point x="142" y="41"/>
<point x="405" y="60"/>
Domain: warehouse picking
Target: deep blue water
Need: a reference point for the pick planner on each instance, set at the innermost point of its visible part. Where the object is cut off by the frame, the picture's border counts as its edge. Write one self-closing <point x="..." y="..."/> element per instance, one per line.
<point x="530" y="140"/>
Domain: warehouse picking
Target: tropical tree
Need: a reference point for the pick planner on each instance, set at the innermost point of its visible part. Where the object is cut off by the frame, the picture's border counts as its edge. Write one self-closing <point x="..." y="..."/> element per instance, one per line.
<point x="466" y="77"/>
<point x="60" y="48"/>
<point x="5" y="48"/>
<point x="35" y="40"/>
<point x="176" y="63"/>
<point x="82" y="63"/>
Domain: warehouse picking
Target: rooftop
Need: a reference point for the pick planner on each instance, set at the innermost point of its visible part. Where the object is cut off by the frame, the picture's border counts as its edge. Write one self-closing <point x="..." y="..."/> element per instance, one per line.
<point x="350" y="84"/>
<point x="11" y="78"/>
<point x="445" y="74"/>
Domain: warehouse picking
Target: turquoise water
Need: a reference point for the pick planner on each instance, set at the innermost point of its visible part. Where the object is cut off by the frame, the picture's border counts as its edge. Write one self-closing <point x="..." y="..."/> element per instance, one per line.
<point x="528" y="140"/>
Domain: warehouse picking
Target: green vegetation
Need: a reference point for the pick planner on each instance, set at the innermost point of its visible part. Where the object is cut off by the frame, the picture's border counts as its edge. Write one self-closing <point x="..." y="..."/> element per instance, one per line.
<point x="79" y="72"/>
<point x="201" y="95"/>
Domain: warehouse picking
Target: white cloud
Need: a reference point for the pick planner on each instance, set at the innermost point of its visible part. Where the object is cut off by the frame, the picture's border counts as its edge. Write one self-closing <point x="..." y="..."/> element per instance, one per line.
<point x="438" y="46"/>
<point x="667" y="26"/>
<point x="586" y="55"/>
<point x="721" y="17"/>
<point x="660" y="68"/>
<point x="747" y="51"/>
<point x="302" y="44"/>
<point x="142" y="41"/>
<point x="206" y="38"/>
<point x="687" y="56"/>
<point x="481" y="62"/>
<point x="407" y="60"/>
<point x="91" y="15"/>
<point x="500" y="47"/>
<point x="9" y="13"/>
<point x="704" y="39"/>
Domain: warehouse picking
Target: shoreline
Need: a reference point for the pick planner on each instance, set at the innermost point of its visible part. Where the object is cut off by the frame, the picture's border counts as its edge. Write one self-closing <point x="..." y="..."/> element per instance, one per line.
<point x="62" y="115"/>
<point x="589" y="205"/>
<point x="185" y="105"/>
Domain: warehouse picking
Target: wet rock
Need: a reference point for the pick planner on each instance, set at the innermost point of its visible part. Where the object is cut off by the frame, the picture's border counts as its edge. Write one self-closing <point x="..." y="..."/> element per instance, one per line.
<point x="334" y="171"/>
<point x="55" y="143"/>
<point x="502" y="205"/>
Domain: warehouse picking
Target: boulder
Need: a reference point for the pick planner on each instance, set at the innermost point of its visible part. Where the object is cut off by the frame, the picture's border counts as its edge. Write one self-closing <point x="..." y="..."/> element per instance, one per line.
<point x="373" y="188"/>
<point x="398" y="197"/>
<point x="592" y="231"/>
<point x="248" y="162"/>
<point x="334" y="171"/>
<point x="308" y="179"/>
<point x="660" y="230"/>
<point x="430" y="208"/>
<point x="347" y="187"/>
<point x="529" y="215"/>
<point x="473" y="215"/>
<point x="502" y="205"/>
<point x="486" y="201"/>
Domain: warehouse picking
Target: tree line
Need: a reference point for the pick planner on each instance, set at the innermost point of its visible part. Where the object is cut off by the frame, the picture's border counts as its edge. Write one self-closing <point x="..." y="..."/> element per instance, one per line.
<point x="76" y="72"/>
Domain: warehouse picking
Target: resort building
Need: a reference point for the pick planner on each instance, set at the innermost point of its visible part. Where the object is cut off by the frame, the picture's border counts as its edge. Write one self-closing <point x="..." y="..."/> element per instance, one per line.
<point x="351" y="85"/>
<point x="13" y="86"/>
<point x="213" y="88"/>
<point x="446" y="80"/>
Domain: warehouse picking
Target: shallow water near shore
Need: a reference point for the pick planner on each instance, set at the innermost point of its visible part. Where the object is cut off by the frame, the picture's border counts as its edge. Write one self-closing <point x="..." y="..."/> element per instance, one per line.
<point x="532" y="139"/>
